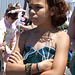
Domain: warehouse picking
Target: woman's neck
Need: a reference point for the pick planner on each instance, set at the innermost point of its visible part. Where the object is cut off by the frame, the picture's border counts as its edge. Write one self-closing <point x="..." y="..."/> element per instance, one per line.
<point x="45" y="27"/>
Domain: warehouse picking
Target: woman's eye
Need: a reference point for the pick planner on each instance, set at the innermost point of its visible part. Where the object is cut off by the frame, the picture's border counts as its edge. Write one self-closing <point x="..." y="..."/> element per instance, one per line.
<point x="38" y="7"/>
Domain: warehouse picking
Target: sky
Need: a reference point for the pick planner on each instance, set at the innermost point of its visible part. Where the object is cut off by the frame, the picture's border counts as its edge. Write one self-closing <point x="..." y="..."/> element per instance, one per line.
<point x="70" y="0"/>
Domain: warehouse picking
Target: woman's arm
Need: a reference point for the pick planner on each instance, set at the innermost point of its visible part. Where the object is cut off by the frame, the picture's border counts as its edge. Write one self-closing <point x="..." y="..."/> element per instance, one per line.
<point x="26" y="27"/>
<point x="15" y="65"/>
<point x="16" y="10"/>
<point x="15" y="69"/>
<point x="61" y="56"/>
<point x="71" y="31"/>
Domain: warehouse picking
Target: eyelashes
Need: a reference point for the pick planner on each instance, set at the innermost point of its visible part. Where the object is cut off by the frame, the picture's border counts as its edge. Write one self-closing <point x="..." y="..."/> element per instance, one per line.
<point x="36" y="7"/>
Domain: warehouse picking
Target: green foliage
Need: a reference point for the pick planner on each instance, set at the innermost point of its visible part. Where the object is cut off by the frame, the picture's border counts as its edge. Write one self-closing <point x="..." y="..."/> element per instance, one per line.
<point x="62" y="27"/>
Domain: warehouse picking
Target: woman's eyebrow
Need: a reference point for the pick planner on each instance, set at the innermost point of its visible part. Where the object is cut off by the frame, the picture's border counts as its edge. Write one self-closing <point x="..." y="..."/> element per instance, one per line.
<point x="35" y="4"/>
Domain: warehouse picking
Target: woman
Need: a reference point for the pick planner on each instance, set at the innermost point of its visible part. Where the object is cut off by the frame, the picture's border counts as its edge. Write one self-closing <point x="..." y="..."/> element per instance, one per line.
<point x="44" y="42"/>
<point x="71" y="32"/>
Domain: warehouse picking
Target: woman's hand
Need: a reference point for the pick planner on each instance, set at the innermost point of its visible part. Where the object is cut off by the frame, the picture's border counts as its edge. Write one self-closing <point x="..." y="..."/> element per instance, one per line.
<point x="43" y="66"/>
<point x="3" y="47"/>
<point x="46" y="65"/>
<point x="19" y="25"/>
<point x="16" y="58"/>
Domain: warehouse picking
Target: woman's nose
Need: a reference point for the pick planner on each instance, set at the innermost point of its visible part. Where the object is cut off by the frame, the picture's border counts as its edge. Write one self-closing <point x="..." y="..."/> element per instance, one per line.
<point x="32" y="11"/>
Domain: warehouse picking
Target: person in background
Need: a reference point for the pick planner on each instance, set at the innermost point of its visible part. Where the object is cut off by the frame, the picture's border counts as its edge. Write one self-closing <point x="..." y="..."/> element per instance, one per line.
<point x="9" y="5"/>
<point x="42" y="44"/>
<point x="23" y="22"/>
<point x="71" y="33"/>
<point x="18" y="6"/>
<point x="7" y="25"/>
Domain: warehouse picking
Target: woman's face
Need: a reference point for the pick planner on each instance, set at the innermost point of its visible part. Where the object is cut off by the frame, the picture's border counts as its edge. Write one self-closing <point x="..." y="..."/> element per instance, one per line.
<point x="39" y="12"/>
<point x="11" y="19"/>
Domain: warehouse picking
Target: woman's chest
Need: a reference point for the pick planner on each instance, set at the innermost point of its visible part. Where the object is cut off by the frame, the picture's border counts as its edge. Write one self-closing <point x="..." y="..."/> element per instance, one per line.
<point x="32" y="55"/>
<point x="40" y="42"/>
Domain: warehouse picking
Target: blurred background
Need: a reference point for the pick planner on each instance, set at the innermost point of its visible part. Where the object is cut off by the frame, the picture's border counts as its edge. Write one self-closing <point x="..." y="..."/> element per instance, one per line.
<point x="4" y="5"/>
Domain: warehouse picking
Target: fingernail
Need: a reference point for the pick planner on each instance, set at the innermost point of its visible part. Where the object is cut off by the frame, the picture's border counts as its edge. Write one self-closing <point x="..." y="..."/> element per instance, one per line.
<point x="16" y="51"/>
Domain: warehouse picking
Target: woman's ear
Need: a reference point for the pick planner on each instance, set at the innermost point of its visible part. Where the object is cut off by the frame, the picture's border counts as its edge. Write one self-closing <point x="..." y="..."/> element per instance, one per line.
<point x="53" y="10"/>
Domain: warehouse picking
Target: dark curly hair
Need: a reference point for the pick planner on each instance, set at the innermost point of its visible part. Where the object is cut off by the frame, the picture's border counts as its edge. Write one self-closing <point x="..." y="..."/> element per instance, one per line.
<point x="59" y="17"/>
<point x="60" y="14"/>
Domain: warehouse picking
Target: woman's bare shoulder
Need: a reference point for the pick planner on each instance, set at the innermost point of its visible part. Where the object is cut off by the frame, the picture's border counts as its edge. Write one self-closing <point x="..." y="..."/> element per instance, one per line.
<point x="27" y="33"/>
<point x="62" y="36"/>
